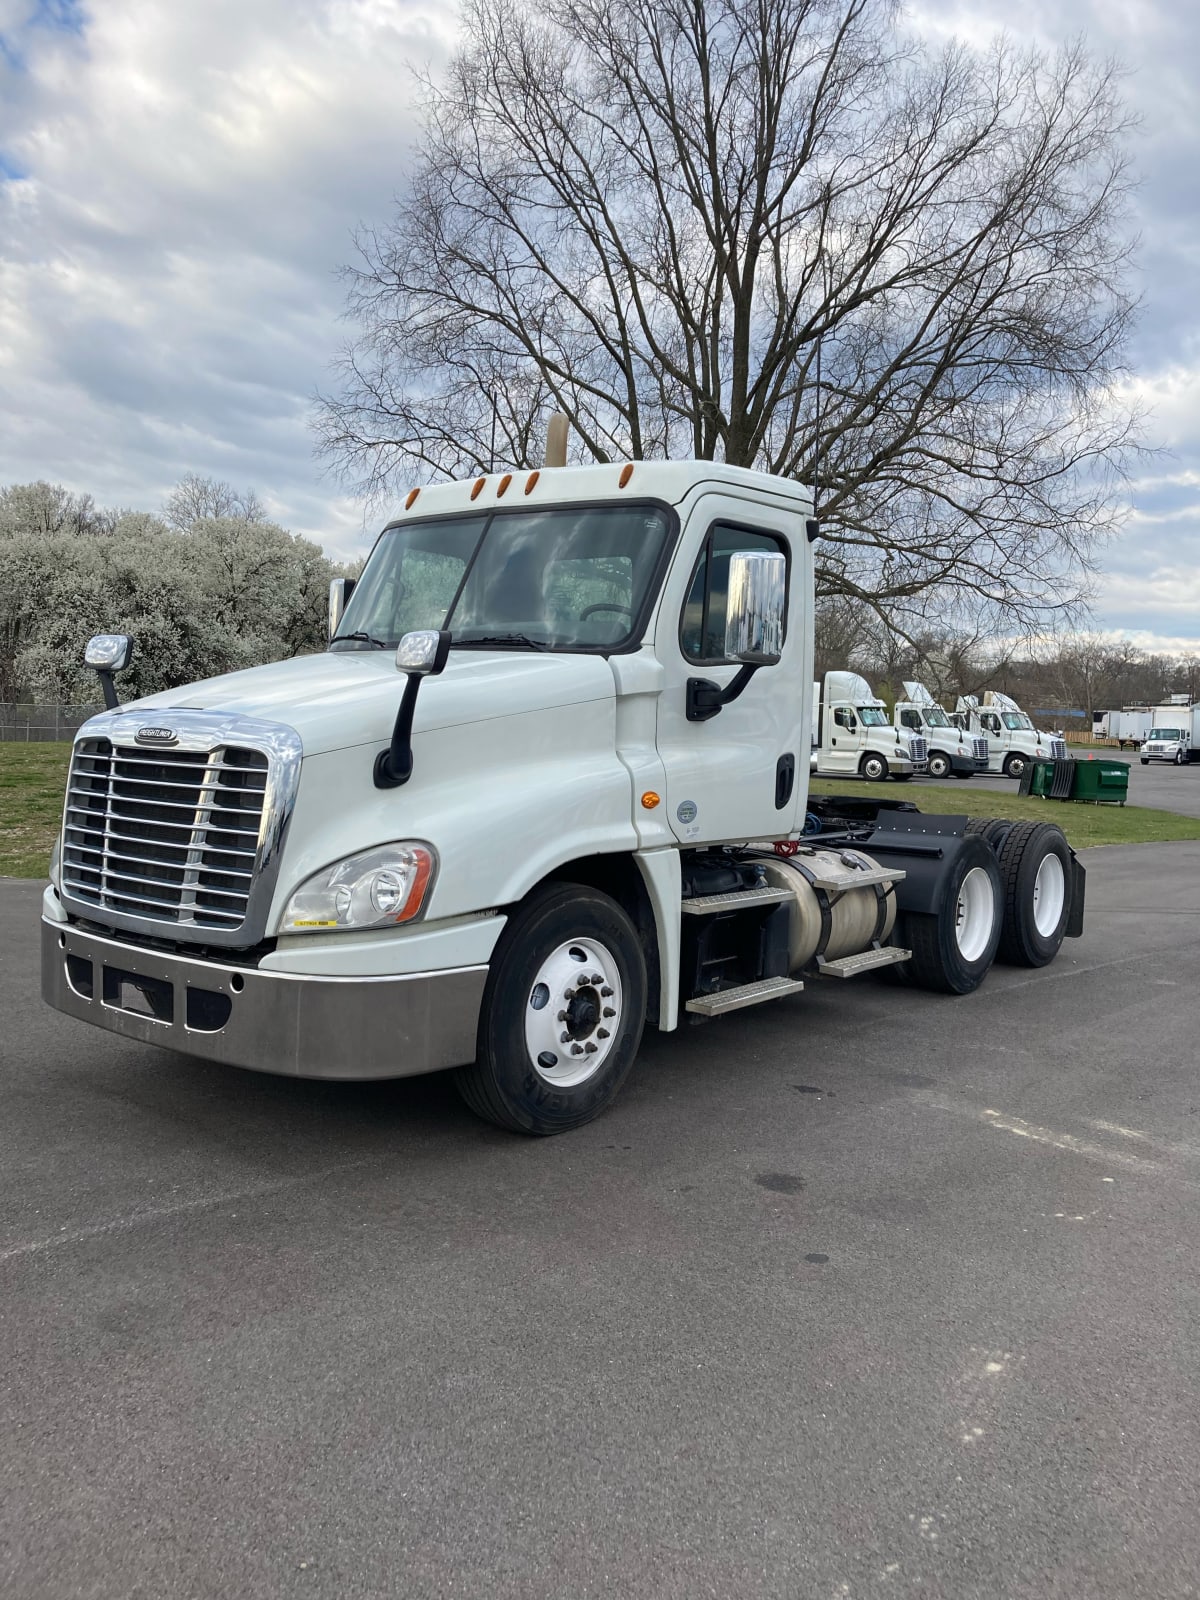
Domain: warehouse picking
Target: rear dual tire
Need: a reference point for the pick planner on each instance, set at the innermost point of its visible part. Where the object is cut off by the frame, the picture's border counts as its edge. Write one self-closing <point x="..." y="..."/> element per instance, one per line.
<point x="954" y="945"/>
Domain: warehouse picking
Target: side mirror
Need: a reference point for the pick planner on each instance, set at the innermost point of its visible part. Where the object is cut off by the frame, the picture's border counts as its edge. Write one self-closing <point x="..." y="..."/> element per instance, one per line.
<point x="423" y="652"/>
<point x="754" y="608"/>
<point x="340" y="591"/>
<point x="756" y="595"/>
<point x="418" y="655"/>
<point x="107" y="653"/>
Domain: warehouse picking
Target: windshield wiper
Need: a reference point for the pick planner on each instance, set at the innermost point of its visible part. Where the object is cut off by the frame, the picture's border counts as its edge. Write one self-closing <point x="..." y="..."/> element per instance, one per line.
<point x="367" y="638"/>
<point x="521" y="639"/>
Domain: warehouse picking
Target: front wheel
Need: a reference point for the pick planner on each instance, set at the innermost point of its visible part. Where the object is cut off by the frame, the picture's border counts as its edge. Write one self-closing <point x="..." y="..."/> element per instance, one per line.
<point x="1014" y="766"/>
<point x="1179" y="758"/>
<point x="562" y="1014"/>
<point x="874" y="768"/>
<point x="939" y="765"/>
<point x="1145" y="761"/>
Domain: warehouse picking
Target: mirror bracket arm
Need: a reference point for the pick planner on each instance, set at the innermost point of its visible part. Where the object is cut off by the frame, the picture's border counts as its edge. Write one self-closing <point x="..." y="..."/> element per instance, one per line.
<point x="109" y="687"/>
<point x="705" y="698"/>
<point x="394" y="765"/>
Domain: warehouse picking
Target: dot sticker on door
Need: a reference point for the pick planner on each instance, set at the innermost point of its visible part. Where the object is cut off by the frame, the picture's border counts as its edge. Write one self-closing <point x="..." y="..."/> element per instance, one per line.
<point x="687" y="811"/>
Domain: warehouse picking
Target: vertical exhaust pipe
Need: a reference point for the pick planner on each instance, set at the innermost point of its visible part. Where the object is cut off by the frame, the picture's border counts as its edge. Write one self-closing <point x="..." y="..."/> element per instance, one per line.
<point x="556" y="441"/>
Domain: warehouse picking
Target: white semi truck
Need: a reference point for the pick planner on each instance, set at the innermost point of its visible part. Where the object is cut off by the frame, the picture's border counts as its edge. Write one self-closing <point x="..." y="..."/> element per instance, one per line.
<point x="1012" y="740"/>
<point x="1174" y="734"/>
<point x="545" y="787"/>
<point x="851" y="733"/>
<point x="951" y="751"/>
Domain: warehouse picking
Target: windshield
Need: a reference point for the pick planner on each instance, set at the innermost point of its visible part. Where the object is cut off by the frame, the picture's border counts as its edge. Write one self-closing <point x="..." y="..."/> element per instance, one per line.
<point x="574" y="579"/>
<point x="1017" y="721"/>
<point x="936" y="717"/>
<point x="1165" y="733"/>
<point x="873" y="716"/>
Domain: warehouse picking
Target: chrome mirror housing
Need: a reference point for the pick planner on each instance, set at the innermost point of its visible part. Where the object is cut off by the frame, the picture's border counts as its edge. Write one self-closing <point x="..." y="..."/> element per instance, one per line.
<point x="422" y="652"/>
<point x="755" y="606"/>
<point x="108" y="652"/>
<point x="340" y="591"/>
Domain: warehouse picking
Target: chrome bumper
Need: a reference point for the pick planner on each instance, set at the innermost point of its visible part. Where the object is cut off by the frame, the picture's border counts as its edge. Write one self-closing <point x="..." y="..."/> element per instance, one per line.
<point x="303" y="1027"/>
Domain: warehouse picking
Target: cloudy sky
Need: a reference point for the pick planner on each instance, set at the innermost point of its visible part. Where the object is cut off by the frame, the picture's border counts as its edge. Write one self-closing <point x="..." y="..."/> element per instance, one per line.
<point x="179" y="180"/>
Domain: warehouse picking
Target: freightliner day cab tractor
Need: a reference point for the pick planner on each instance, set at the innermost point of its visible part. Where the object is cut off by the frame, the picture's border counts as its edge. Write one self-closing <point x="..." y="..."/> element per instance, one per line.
<point x="1012" y="740"/>
<point x="952" y="753"/>
<point x="548" y="784"/>
<point x="851" y="733"/>
<point x="1173" y="734"/>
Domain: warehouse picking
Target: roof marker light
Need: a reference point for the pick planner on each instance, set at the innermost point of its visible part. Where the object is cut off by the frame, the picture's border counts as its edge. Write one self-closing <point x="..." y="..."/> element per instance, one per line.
<point x="476" y="487"/>
<point x="531" y="482"/>
<point x="411" y="500"/>
<point x="626" y="474"/>
<point x="503" y="484"/>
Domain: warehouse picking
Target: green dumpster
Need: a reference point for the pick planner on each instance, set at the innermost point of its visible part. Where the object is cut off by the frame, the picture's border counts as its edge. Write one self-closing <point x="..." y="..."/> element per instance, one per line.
<point x="1102" y="782"/>
<point x="1037" y="778"/>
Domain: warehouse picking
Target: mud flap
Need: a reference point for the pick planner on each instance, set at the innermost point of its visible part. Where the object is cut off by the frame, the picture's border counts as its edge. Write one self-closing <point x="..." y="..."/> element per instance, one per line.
<point x="1074" y="926"/>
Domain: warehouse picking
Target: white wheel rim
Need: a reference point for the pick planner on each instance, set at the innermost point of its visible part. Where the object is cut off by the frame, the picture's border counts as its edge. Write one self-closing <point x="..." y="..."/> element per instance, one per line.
<point x="975" y="914"/>
<point x="1049" y="895"/>
<point x="573" y="1013"/>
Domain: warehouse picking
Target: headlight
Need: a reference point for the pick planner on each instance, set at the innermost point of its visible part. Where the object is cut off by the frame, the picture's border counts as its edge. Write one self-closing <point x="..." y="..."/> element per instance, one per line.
<point x="55" y="858"/>
<point x="378" y="888"/>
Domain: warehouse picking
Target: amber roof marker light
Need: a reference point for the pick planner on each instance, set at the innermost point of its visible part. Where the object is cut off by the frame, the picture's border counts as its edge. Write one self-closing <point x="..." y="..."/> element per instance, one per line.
<point x="531" y="482"/>
<point x="503" y="484"/>
<point x="476" y="487"/>
<point x="626" y="474"/>
<point x="411" y="499"/>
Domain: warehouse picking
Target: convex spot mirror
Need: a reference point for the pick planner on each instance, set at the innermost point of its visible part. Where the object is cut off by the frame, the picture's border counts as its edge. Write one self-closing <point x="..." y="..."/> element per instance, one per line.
<point x="423" y="652"/>
<point x="755" y="606"/>
<point x="108" y="652"/>
<point x="340" y="591"/>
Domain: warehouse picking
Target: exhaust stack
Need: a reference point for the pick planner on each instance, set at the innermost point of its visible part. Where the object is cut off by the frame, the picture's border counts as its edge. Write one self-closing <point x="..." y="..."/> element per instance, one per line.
<point x="556" y="441"/>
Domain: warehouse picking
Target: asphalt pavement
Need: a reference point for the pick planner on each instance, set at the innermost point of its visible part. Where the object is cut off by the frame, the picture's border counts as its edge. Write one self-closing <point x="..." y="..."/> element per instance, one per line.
<point x="1159" y="784"/>
<point x="859" y="1294"/>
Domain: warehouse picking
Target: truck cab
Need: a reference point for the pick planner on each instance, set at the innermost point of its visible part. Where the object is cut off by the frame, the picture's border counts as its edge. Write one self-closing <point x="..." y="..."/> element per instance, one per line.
<point x="851" y="732"/>
<point x="544" y="789"/>
<point x="951" y="752"/>
<point x="1172" y="734"/>
<point x="1012" y="740"/>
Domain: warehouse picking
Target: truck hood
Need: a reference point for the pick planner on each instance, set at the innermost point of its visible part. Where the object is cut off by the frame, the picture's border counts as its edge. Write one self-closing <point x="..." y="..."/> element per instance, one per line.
<point x="335" y="701"/>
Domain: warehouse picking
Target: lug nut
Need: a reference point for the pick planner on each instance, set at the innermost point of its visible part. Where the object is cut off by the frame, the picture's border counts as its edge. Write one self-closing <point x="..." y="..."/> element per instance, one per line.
<point x="591" y="1048"/>
<point x="564" y="1038"/>
<point x="562" y="1016"/>
<point x="605" y="992"/>
<point x="596" y="977"/>
<point x="602" y="1033"/>
<point x="576" y="1049"/>
<point x="608" y="1012"/>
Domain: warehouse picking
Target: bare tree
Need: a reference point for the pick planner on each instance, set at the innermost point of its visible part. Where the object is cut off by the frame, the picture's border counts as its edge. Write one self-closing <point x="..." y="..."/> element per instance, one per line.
<point x="195" y="499"/>
<point x="661" y="219"/>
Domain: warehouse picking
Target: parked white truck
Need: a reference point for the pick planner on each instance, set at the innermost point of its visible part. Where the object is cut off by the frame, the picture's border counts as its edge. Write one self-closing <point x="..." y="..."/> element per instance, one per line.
<point x="951" y="752"/>
<point x="1012" y="740"/>
<point x="851" y="733"/>
<point x="1130" y="725"/>
<point x="1174" y="733"/>
<point x="544" y="787"/>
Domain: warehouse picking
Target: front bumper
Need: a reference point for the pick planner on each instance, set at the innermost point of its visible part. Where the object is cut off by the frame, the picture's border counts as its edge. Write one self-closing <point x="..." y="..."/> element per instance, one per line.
<point x="300" y="1026"/>
<point x="968" y="764"/>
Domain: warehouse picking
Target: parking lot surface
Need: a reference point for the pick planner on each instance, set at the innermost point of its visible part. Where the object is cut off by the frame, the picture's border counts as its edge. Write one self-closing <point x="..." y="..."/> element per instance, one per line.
<point x="859" y="1294"/>
<point x="1158" y="784"/>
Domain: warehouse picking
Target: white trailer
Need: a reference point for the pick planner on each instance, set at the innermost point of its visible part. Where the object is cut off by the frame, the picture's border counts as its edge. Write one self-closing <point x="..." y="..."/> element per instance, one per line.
<point x="1012" y="740"/>
<point x="546" y="787"/>
<point x="1130" y="725"/>
<point x="951" y="752"/>
<point x="851" y="733"/>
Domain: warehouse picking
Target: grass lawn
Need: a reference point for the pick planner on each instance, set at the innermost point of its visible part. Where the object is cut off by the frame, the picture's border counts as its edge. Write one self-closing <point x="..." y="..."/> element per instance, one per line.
<point x="32" y="777"/>
<point x="1084" y="825"/>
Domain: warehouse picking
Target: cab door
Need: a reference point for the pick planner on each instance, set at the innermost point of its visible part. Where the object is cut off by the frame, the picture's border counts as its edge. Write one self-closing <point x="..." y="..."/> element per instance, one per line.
<point x="845" y="740"/>
<point x="742" y="773"/>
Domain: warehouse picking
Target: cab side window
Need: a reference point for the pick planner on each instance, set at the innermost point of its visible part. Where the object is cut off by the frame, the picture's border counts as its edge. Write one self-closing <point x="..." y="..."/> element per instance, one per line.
<point x="844" y="718"/>
<point x="702" y="632"/>
<point x="910" y="719"/>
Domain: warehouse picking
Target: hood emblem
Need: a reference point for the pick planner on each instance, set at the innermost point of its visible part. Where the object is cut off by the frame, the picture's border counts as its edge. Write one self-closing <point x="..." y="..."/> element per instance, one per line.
<point x="158" y="736"/>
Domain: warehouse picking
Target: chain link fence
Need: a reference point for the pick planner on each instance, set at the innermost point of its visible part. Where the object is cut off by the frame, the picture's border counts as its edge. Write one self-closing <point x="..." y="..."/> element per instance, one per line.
<point x="39" y="724"/>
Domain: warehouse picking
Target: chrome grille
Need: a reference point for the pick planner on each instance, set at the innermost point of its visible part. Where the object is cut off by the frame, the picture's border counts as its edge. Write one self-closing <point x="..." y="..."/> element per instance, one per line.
<point x="170" y="835"/>
<point x="920" y="750"/>
<point x="1058" y="749"/>
<point x="979" y="749"/>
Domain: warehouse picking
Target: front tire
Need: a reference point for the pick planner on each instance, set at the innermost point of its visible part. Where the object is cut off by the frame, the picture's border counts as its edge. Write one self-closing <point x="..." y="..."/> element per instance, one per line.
<point x="1035" y="869"/>
<point x="562" y="1015"/>
<point x="1014" y="766"/>
<point x="1179" y="758"/>
<point x="953" y="946"/>
<point x="939" y="765"/>
<point x="874" y="768"/>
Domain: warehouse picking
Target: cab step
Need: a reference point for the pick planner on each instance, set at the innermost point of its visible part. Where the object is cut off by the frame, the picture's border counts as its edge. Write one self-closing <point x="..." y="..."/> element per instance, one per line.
<point x="874" y="877"/>
<point x="704" y="905"/>
<point x="747" y="994"/>
<point x="888" y="955"/>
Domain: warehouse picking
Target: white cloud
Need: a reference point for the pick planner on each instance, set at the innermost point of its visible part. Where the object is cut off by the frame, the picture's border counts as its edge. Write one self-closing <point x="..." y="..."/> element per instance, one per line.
<point x="191" y="178"/>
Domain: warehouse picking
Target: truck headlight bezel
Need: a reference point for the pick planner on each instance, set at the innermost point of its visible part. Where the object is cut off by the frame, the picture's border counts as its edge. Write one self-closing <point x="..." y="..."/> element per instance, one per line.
<point x="385" y="887"/>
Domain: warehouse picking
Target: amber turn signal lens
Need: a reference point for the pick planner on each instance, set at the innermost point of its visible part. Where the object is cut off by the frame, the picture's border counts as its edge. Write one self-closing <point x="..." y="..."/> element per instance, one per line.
<point x="650" y="799"/>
